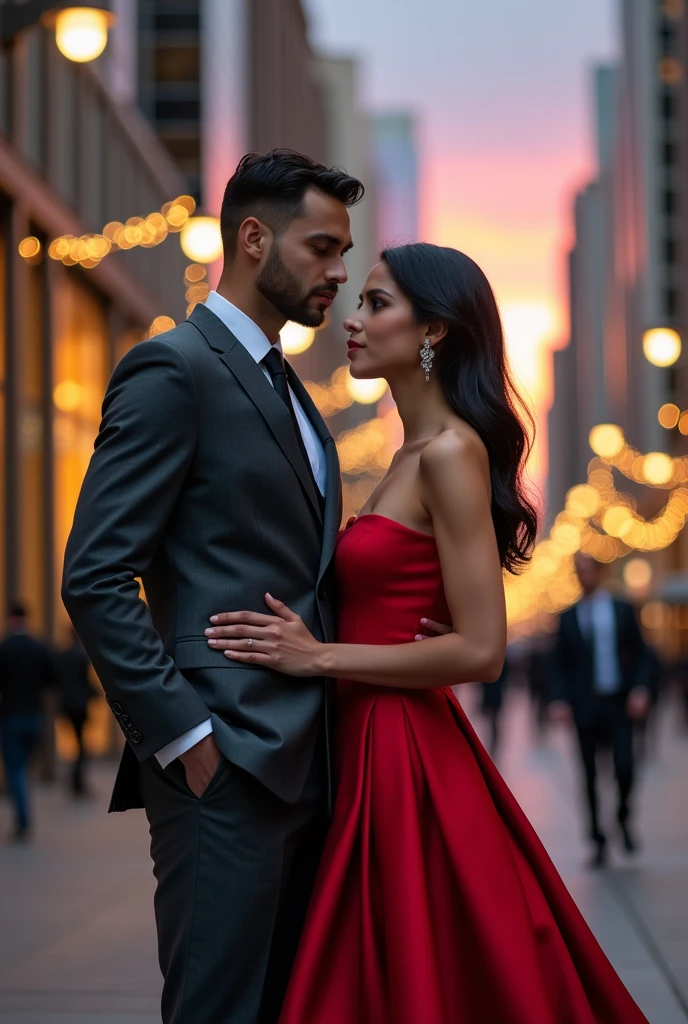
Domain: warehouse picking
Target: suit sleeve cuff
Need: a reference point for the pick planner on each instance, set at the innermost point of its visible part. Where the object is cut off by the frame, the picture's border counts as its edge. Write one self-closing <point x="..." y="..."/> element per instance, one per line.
<point x="171" y="751"/>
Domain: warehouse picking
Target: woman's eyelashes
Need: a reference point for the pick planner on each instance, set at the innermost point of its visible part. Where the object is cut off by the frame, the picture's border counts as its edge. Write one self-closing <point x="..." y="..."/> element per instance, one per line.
<point x="375" y="304"/>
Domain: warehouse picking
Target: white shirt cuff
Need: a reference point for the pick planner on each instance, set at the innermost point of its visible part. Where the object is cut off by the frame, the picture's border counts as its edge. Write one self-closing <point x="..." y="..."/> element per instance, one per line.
<point x="183" y="743"/>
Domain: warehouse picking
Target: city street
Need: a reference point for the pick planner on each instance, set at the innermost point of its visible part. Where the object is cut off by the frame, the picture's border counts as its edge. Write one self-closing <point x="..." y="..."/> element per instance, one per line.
<point x="77" y="942"/>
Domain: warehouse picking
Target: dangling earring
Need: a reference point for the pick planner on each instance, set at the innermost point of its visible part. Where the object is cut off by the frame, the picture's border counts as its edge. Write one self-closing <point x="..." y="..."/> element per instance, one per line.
<point x="427" y="354"/>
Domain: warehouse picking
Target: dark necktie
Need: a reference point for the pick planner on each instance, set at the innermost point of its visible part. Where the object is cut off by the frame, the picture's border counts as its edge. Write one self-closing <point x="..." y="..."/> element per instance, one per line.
<point x="274" y="364"/>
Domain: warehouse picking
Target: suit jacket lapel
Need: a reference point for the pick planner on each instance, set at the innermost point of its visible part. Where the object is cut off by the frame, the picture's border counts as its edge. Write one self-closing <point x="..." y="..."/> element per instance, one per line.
<point x="333" y="490"/>
<point x="254" y="382"/>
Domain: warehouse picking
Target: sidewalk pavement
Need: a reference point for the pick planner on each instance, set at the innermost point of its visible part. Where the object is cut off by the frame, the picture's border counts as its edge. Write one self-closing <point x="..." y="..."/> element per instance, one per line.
<point x="77" y="940"/>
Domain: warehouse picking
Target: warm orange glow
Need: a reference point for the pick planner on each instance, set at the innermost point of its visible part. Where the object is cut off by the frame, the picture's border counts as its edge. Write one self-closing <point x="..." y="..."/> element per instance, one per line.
<point x="81" y="32"/>
<point x="662" y="346"/>
<point x="29" y="247"/>
<point x="657" y="468"/>
<point x="200" y="237"/>
<point x="668" y="415"/>
<point x="68" y="395"/>
<point x="606" y="440"/>
<point x="637" y="574"/>
<point x="365" y="391"/>
<point x="296" y="338"/>
<point x="160" y="325"/>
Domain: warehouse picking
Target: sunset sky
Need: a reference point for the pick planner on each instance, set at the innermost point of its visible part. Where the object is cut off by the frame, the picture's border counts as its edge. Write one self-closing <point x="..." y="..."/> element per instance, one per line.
<point x="502" y="94"/>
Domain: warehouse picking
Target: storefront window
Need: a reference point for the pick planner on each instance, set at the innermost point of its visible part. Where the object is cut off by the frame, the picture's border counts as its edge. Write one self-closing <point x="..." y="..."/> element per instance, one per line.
<point x="33" y="503"/>
<point x="80" y="372"/>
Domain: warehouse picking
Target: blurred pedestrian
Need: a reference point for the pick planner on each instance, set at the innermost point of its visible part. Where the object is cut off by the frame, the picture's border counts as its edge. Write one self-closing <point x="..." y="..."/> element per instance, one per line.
<point x="27" y="669"/>
<point x="604" y="682"/>
<point x="491" y="704"/>
<point x="76" y="691"/>
<point x="540" y="669"/>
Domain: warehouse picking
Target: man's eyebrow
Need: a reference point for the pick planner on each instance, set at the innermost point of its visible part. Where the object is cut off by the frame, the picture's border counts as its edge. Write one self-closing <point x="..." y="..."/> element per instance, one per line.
<point x="331" y="239"/>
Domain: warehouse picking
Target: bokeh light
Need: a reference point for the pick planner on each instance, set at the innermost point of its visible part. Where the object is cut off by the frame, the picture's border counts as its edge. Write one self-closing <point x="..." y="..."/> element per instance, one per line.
<point x="81" y="33"/>
<point x="668" y="415"/>
<point x="29" y="247"/>
<point x="606" y="440"/>
<point x="200" y="237"/>
<point x="160" y="325"/>
<point x="68" y="395"/>
<point x="662" y="346"/>
<point x="296" y="338"/>
<point x="657" y="468"/>
<point x="637" y="574"/>
<point x="366" y="391"/>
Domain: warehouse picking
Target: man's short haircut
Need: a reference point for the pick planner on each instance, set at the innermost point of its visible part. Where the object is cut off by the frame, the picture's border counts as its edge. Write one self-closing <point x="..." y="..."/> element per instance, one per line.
<point x="272" y="186"/>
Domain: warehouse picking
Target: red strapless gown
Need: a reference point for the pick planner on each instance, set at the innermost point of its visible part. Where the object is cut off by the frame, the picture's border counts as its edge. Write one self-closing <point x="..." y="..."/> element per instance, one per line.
<point x="435" y="901"/>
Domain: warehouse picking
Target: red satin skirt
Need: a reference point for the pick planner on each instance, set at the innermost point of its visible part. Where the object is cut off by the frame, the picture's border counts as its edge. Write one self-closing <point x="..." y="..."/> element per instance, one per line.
<point x="435" y="902"/>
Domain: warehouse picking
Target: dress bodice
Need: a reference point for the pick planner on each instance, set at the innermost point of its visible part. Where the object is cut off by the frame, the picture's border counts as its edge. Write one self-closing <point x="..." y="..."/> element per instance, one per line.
<point x="389" y="577"/>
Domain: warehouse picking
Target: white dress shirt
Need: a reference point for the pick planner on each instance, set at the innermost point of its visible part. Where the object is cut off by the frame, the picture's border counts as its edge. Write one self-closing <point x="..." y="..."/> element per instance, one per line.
<point x="597" y="620"/>
<point x="257" y="345"/>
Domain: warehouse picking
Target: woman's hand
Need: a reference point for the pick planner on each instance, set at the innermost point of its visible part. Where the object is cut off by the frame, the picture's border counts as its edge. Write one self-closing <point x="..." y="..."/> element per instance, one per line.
<point x="280" y="641"/>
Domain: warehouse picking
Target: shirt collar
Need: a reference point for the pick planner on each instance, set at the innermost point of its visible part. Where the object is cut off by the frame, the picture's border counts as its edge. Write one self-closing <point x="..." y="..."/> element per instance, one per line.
<point x="242" y="327"/>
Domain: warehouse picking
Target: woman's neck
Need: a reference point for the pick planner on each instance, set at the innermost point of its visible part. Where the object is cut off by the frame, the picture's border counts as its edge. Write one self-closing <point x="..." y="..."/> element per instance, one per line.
<point x="422" y="407"/>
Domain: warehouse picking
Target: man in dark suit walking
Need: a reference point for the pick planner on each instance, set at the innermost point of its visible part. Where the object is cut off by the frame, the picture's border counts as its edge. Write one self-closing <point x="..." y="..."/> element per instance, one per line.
<point x="76" y="692"/>
<point x="215" y="479"/>
<point x="27" y="669"/>
<point x="603" y="681"/>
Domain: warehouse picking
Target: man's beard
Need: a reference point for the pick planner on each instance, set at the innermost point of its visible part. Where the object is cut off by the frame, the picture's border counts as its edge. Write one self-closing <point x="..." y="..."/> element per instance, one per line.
<point x="280" y="287"/>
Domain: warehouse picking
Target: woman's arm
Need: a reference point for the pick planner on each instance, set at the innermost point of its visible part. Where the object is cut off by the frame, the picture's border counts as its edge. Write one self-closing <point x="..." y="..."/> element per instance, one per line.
<point x="456" y="492"/>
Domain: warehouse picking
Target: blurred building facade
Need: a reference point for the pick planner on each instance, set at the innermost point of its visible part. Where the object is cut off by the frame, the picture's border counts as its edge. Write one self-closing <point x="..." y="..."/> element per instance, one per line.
<point x="628" y="274"/>
<point x="627" y="270"/>
<point x="71" y="160"/>
<point x="395" y="161"/>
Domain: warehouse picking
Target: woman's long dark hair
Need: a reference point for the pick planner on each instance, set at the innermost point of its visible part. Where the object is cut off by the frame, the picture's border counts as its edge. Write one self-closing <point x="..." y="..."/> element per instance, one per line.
<point x="444" y="284"/>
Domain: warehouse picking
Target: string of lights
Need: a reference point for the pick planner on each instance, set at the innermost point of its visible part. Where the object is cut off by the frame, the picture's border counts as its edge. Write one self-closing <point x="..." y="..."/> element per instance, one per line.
<point x="88" y="250"/>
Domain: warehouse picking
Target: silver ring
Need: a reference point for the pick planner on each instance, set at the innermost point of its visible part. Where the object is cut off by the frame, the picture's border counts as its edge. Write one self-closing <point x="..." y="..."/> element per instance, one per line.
<point x="250" y="643"/>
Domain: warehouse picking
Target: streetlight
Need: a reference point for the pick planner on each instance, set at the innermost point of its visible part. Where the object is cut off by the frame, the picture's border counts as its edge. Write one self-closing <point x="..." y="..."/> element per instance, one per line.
<point x="81" y="32"/>
<point x="201" y="240"/>
<point x="662" y="346"/>
<point x="81" y="26"/>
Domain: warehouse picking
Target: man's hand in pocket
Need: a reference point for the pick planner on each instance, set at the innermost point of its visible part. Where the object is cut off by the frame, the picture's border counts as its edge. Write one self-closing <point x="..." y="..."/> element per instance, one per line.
<point x="200" y="764"/>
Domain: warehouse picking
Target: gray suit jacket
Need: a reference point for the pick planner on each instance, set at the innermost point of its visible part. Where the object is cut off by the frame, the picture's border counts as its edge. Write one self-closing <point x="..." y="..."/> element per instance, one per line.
<point x="197" y="486"/>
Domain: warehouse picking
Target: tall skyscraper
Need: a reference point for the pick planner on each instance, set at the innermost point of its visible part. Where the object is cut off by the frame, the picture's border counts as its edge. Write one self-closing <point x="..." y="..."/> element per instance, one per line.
<point x="395" y="163"/>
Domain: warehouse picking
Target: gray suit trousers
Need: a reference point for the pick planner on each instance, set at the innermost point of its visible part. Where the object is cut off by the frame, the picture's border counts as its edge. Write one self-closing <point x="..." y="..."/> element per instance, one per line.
<point x="234" y="873"/>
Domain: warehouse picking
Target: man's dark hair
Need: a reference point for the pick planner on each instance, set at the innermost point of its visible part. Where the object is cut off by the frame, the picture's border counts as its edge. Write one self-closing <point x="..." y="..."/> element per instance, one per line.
<point x="272" y="186"/>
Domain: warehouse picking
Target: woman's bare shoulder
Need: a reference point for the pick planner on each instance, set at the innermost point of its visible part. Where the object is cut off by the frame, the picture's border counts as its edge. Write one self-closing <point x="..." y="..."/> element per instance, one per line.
<point x="458" y="449"/>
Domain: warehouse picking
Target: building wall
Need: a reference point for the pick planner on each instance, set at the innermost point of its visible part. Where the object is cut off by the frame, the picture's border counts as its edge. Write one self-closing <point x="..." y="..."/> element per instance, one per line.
<point x="170" y="91"/>
<point x="70" y="161"/>
<point x="285" y="97"/>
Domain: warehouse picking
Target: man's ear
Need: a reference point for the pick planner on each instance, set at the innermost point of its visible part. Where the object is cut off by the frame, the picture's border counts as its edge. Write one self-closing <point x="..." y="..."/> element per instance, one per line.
<point x="253" y="238"/>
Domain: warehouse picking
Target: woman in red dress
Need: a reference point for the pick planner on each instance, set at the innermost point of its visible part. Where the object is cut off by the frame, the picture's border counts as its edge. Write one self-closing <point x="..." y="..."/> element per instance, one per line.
<point x="435" y="901"/>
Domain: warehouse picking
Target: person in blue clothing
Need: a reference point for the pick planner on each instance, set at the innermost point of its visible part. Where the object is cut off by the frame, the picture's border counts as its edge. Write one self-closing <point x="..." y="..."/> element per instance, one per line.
<point x="27" y="669"/>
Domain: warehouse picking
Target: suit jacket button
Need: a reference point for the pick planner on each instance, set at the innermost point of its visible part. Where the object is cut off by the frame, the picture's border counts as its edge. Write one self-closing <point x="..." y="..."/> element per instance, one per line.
<point x="117" y="709"/>
<point x="136" y="737"/>
<point x="124" y="719"/>
<point x="322" y="592"/>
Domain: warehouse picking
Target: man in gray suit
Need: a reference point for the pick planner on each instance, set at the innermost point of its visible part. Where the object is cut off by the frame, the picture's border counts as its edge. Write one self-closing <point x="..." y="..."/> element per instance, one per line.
<point x="215" y="480"/>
